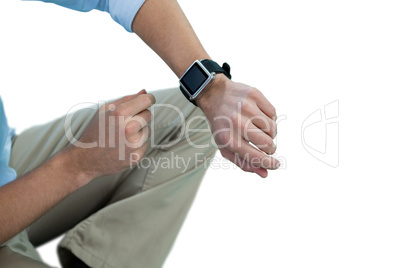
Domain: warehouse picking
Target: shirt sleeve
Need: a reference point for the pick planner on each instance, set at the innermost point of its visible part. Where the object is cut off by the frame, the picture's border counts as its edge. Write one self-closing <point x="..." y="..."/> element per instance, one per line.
<point x="122" y="11"/>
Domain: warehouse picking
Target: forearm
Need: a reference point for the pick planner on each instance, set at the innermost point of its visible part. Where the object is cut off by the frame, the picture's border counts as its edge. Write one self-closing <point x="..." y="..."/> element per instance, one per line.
<point x="25" y="199"/>
<point x="162" y="25"/>
<point x="30" y="196"/>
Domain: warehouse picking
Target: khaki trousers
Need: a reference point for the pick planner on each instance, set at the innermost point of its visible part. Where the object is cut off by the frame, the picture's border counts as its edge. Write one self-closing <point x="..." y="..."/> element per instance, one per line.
<point x="125" y="220"/>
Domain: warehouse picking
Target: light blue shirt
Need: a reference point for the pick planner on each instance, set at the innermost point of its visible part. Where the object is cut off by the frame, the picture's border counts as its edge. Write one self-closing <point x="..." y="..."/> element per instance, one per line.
<point x="7" y="174"/>
<point x="122" y="11"/>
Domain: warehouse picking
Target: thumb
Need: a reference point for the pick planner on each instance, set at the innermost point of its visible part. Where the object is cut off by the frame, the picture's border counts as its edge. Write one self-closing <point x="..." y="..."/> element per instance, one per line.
<point x="128" y="98"/>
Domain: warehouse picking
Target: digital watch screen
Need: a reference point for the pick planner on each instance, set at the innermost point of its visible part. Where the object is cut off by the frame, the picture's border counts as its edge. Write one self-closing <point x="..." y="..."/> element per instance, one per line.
<point x="199" y="76"/>
<point x="195" y="79"/>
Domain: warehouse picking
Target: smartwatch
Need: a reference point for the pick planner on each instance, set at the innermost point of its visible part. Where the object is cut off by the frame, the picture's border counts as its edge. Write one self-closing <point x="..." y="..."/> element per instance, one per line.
<point x="199" y="76"/>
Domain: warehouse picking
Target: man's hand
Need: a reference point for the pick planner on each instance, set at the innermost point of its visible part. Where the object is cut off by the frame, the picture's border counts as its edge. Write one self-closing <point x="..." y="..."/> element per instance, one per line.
<point x="116" y="136"/>
<point x="240" y="117"/>
<point x="125" y="131"/>
<point x="171" y="36"/>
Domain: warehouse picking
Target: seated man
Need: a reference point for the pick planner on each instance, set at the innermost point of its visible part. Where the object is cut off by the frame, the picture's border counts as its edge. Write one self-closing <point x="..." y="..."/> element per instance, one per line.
<point x="109" y="177"/>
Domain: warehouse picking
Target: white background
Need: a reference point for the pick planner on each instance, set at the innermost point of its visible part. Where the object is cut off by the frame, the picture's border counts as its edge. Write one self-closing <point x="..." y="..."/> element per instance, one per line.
<point x="302" y="55"/>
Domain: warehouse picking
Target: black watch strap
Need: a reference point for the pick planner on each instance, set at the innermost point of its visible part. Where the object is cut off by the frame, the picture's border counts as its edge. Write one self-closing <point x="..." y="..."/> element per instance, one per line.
<point x="212" y="67"/>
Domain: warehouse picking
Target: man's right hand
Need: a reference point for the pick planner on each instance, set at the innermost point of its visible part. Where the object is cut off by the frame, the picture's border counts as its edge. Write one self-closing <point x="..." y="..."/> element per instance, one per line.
<point x="116" y="136"/>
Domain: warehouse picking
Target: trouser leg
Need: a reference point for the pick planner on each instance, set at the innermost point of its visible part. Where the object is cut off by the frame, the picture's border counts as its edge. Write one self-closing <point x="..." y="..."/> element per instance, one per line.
<point x="31" y="148"/>
<point x="139" y="230"/>
<point x="147" y="205"/>
<point x="18" y="252"/>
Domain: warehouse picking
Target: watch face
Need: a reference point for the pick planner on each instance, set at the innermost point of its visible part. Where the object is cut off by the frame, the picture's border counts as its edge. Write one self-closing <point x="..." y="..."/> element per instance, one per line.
<point x="194" y="78"/>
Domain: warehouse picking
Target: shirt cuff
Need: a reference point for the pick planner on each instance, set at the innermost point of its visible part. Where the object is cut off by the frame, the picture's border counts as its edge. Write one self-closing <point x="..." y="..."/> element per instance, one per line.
<point x="124" y="11"/>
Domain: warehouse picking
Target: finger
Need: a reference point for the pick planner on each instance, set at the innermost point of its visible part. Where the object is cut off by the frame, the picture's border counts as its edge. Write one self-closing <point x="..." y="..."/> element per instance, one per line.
<point x="139" y="138"/>
<point x="134" y="125"/>
<point x="244" y="165"/>
<point x="253" y="155"/>
<point x="260" y="139"/>
<point x="135" y="105"/>
<point x="266" y="107"/>
<point x="263" y="122"/>
<point x="112" y="105"/>
<point x="139" y="121"/>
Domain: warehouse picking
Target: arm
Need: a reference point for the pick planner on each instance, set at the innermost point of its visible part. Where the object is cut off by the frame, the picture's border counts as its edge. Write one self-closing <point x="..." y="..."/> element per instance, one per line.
<point x="25" y="199"/>
<point x="163" y="26"/>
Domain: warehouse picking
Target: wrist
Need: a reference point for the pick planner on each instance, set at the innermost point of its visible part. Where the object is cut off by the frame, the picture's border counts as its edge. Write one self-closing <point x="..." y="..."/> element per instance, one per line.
<point x="219" y="84"/>
<point x="68" y="162"/>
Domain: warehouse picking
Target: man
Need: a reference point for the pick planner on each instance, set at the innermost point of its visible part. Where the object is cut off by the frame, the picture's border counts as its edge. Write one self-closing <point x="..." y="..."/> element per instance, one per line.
<point x="82" y="174"/>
